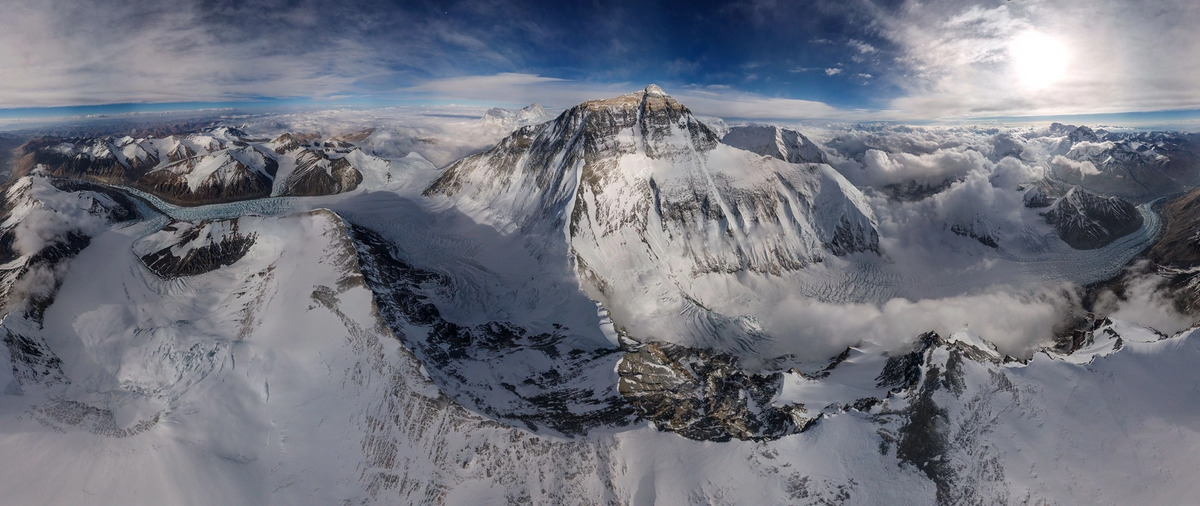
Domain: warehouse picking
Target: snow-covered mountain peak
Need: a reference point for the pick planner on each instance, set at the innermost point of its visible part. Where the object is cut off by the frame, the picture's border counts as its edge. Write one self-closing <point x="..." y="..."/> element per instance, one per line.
<point x="661" y="127"/>
<point x="1085" y="220"/>
<point x="509" y="119"/>
<point x="226" y="133"/>
<point x="782" y="143"/>
<point x="216" y="164"/>
<point x="534" y="110"/>
<point x="645" y="195"/>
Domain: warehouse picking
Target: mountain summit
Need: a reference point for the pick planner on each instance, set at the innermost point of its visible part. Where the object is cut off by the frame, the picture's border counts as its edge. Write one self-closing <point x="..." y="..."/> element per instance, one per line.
<point x="646" y="195"/>
<point x="512" y="118"/>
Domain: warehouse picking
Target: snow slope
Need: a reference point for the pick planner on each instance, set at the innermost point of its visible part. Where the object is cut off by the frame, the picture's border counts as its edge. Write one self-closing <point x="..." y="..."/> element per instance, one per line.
<point x="378" y="346"/>
<point x="647" y="201"/>
<point x="214" y="165"/>
<point x="782" y="143"/>
<point x="227" y="386"/>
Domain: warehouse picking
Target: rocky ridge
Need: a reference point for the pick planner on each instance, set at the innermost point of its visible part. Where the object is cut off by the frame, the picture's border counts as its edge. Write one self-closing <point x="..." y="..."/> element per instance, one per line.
<point x="1084" y="220"/>
<point x="642" y="193"/>
<point x="1137" y="165"/>
<point x="214" y="165"/>
<point x="782" y="143"/>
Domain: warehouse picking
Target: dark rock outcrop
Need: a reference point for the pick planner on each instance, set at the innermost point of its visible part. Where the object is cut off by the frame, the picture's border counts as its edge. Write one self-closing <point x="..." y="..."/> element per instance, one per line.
<point x="705" y="395"/>
<point x="184" y="257"/>
<point x="316" y="174"/>
<point x="213" y="165"/>
<point x="538" y="380"/>
<point x="1085" y="220"/>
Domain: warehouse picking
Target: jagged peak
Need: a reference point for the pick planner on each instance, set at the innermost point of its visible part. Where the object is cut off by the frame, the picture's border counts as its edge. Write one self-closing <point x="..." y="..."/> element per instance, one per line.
<point x="779" y="142"/>
<point x="652" y="95"/>
<point x="224" y="131"/>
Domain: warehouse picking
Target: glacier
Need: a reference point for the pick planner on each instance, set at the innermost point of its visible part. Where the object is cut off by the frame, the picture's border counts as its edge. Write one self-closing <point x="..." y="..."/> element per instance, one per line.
<point x="581" y="314"/>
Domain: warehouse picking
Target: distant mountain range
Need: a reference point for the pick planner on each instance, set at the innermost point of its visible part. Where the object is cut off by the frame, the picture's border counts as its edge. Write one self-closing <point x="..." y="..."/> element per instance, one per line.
<point x="588" y="312"/>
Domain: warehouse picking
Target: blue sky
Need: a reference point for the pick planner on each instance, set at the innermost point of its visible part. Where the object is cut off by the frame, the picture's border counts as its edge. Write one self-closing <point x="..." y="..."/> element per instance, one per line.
<point x="846" y="60"/>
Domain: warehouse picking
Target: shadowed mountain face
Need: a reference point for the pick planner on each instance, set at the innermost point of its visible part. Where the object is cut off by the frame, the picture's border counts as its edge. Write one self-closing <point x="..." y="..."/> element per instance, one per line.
<point x="187" y="249"/>
<point x="1176" y="256"/>
<point x="782" y="143"/>
<point x="1180" y="243"/>
<point x="1085" y="220"/>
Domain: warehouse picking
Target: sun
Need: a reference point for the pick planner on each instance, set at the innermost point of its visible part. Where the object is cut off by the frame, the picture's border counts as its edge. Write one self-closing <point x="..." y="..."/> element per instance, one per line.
<point x="1038" y="60"/>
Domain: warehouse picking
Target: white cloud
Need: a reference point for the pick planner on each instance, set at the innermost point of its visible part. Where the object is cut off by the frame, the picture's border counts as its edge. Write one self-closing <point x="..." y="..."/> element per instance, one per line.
<point x="1119" y="56"/>
<point x="861" y="47"/>
<point x="1017" y="323"/>
<point x="716" y="100"/>
<point x="515" y="89"/>
<point x="1083" y="169"/>
<point x="1144" y="303"/>
<point x="480" y="85"/>
<point x="833" y="71"/>
<point x="55" y="53"/>
<point x="439" y="134"/>
<point x="889" y="168"/>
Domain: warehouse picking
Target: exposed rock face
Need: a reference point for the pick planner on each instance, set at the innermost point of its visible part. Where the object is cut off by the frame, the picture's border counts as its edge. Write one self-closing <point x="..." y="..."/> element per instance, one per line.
<point x="235" y="174"/>
<point x="213" y="165"/>
<point x="536" y="380"/>
<point x="645" y="195"/>
<point x="706" y="396"/>
<point x="318" y="175"/>
<point x="1085" y="220"/>
<point x="312" y="167"/>
<point x="640" y="166"/>
<point x="1176" y="255"/>
<point x="913" y="191"/>
<point x="32" y="260"/>
<point x="979" y="230"/>
<point x="1180" y="243"/>
<point x="1075" y="134"/>
<point x="187" y="249"/>
<point x="782" y="143"/>
<point x="946" y="414"/>
<point x="642" y="161"/>
<point x="1136" y="166"/>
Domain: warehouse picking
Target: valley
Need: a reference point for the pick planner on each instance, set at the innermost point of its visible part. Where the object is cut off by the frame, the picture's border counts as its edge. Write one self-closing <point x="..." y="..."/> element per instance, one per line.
<point x="618" y="304"/>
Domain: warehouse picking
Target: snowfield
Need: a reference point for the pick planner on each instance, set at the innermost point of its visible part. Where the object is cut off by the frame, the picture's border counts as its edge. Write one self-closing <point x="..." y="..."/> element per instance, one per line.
<point x="602" y="308"/>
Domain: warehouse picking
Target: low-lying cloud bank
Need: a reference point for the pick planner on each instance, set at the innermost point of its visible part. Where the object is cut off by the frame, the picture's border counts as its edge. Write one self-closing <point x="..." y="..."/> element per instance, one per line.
<point x="951" y="207"/>
<point x="1017" y="323"/>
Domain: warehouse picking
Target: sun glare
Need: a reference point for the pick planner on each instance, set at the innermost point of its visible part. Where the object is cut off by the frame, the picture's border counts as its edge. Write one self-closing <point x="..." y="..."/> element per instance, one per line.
<point x="1038" y="60"/>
